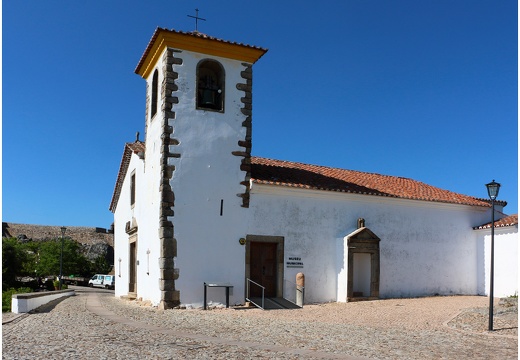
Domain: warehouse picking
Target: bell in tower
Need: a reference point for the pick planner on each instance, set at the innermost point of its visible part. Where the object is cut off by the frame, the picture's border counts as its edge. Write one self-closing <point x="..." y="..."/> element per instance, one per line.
<point x="210" y="84"/>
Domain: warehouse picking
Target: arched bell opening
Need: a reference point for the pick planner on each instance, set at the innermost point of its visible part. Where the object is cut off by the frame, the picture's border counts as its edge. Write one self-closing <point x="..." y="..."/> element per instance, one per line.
<point x="210" y="85"/>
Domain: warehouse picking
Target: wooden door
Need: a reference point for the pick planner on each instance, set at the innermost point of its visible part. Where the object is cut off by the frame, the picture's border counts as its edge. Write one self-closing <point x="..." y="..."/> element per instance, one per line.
<point x="133" y="265"/>
<point x="263" y="268"/>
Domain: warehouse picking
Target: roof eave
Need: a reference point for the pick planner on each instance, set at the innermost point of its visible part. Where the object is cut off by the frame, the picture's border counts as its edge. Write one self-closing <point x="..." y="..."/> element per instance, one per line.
<point x="375" y="193"/>
<point x="196" y="42"/>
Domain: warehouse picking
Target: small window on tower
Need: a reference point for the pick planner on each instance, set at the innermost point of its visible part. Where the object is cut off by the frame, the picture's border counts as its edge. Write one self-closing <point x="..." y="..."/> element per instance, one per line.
<point x="210" y="85"/>
<point x="155" y="90"/>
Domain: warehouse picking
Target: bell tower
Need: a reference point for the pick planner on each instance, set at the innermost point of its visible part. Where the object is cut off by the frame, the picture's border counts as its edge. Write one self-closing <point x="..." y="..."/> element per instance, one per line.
<point x="198" y="148"/>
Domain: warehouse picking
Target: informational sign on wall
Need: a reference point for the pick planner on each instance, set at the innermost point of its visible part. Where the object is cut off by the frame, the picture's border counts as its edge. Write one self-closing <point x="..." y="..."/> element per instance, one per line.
<point x="294" y="262"/>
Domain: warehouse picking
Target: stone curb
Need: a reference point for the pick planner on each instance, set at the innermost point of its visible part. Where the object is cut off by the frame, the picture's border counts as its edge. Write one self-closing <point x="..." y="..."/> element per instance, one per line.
<point x="14" y="317"/>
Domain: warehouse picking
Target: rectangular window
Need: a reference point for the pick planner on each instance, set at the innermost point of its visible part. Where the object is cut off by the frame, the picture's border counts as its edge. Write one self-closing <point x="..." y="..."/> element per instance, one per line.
<point x="132" y="190"/>
<point x="155" y="90"/>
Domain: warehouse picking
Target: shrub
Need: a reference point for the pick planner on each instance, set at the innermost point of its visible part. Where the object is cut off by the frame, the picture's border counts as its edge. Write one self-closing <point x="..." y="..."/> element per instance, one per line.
<point x="49" y="285"/>
<point x="8" y="294"/>
<point x="33" y="284"/>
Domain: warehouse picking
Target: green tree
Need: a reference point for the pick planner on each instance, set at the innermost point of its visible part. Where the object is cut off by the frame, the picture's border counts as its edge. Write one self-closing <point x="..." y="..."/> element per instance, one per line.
<point x="100" y="265"/>
<point x="42" y="258"/>
<point x="31" y="257"/>
<point x="13" y="259"/>
<point x="73" y="263"/>
<point x="48" y="258"/>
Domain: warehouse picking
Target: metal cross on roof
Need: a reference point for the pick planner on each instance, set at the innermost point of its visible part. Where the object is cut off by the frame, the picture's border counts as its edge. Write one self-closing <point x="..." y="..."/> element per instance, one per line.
<point x="197" y="18"/>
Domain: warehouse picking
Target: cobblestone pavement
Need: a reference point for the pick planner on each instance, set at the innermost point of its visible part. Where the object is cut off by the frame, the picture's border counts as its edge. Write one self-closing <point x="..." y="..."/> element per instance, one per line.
<point x="97" y="325"/>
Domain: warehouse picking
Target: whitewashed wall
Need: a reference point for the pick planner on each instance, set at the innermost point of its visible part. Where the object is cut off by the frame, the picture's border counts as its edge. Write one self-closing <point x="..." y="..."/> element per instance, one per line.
<point x="506" y="261"/>
<point x="145" y="213"/>
<point x="206" y="174"/>
<point x="426" y="248"/>
<point x="124" y="213"/>
<point x="208" y="248"/>
<point x="149" y="201"/>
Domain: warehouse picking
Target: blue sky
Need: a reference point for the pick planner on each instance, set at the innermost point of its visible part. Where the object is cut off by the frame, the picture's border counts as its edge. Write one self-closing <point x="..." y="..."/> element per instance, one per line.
<point x="419" y="89"/>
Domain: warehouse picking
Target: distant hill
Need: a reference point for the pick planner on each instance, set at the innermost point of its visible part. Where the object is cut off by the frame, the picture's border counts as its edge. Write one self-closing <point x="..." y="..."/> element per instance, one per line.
<point x="83" y="235"/>
<point x="94" y="241"/>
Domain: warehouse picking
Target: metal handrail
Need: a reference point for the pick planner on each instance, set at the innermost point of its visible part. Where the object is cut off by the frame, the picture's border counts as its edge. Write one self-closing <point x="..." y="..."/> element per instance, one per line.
<point x="263" y="291"/>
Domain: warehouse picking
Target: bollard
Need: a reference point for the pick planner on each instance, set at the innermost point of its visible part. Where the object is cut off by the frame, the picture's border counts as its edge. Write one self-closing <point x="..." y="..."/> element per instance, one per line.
<point x="300" y="288"/>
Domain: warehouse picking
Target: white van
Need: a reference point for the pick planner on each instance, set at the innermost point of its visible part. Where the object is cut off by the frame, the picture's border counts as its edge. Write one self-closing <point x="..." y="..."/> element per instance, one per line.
<point x="106" y="281"/>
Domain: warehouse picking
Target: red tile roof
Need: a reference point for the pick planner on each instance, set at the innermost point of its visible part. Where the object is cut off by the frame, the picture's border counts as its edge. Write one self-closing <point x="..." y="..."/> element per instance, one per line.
<point x="305" y="176"/>
<point x="510" y="220"/>
<point x="135" y="147"/>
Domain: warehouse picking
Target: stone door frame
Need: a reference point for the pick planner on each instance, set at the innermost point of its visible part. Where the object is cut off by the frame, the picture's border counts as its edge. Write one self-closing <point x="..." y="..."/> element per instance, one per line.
<point x="131" y="229"/>
<point x="364" y="241"/>
<point x="279" y="240"/>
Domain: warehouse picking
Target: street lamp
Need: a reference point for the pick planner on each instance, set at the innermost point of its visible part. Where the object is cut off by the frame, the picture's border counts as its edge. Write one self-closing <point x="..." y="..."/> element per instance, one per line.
<point x="63" y="229"/>
<point x="492" y="189"/>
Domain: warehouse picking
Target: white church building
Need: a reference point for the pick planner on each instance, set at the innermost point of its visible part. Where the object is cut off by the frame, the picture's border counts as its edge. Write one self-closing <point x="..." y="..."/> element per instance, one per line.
<point x="192" y="205"/>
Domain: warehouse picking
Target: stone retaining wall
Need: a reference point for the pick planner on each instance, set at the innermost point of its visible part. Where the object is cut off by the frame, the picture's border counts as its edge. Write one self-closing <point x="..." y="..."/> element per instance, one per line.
<point x="83" y="235"/>
<point x="23" y="303"/>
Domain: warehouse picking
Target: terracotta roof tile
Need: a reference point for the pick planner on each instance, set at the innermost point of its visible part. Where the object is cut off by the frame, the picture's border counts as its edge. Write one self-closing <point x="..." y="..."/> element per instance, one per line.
<point x="510" y="220"/>
<point x="305" y="176"/>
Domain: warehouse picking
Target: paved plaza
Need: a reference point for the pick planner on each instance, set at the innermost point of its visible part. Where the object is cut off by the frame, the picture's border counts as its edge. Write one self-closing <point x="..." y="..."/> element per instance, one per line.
<point x="96" y="325"/>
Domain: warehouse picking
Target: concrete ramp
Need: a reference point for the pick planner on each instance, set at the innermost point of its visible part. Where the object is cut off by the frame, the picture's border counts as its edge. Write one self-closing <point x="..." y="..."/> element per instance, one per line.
<point x="274" y="303"/>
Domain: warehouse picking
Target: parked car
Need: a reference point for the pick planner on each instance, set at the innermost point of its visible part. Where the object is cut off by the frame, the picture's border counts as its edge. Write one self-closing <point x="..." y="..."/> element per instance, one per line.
<point x="105" y="281"/>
